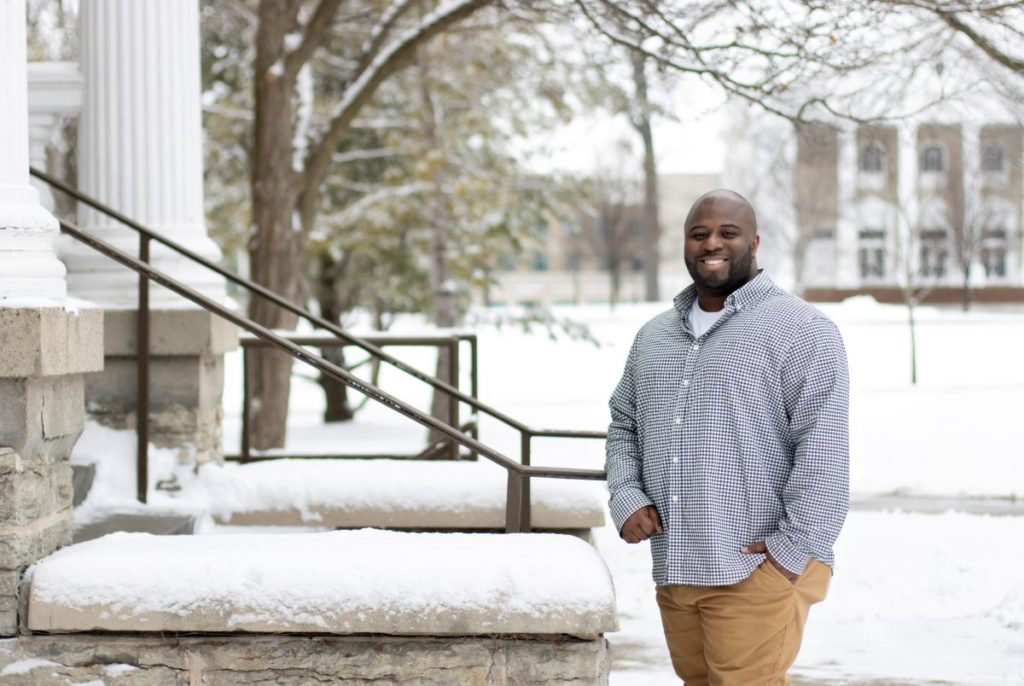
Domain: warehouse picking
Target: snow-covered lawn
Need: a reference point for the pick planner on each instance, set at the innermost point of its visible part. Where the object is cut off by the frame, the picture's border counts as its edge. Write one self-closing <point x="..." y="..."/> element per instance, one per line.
<point x="915" y="597"/>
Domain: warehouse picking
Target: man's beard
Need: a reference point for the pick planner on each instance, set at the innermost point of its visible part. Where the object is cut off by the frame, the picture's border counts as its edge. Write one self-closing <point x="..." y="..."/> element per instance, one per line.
<point x="739" y="273"/>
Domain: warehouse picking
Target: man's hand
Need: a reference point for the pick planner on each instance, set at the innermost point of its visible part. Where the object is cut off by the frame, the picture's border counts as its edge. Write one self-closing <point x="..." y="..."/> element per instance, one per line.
<point x="761" y="547"/>
<point x="641" y="525"/>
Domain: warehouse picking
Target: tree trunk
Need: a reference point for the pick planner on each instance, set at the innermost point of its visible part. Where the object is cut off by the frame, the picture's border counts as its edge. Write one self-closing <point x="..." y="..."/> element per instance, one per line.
<point x="274" y="247"/>
<point x="615" y="281"/>
<point x="337" y="407"/>
<point x="445" y="312"/>
<point x="913" y="341"/>
<point x="799" y="263"/>
<point x="967" y="287"/>
<point x="652" y="227"/>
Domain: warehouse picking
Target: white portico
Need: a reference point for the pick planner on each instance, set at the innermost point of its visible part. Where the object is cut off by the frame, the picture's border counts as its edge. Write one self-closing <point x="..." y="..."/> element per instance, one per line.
<point x="140" y="152"/>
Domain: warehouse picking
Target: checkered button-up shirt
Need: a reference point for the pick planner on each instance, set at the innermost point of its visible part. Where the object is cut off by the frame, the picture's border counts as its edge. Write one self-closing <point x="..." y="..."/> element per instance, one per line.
<point x="737" y="436"/>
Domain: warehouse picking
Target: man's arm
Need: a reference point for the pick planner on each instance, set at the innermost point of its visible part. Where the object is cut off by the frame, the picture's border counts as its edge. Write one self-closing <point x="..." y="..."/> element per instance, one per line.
<point x="816" y="389"/>
<point x="623" y="458"/>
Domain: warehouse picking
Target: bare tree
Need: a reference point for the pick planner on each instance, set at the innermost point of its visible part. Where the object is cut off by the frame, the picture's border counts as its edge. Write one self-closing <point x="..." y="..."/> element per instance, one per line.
<point x="291" y="159"/>
<point x="972" y="218"/>
<point x="613" y="225"/>
<point x="640" y="116"/>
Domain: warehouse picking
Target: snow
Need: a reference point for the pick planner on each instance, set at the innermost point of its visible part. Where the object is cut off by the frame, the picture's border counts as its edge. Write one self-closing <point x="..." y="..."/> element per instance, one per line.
<point x="25" y="666"/>
<point x="915" y="598"/>
<point x="331" y="580"/>
<point x="118" y="669"/>
<point x="382" y="485"/>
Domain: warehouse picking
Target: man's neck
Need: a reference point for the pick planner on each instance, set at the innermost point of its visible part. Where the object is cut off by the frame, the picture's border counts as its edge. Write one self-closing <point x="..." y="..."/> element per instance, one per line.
<point x="714" y="302"/>
<point x="710" y="303"/>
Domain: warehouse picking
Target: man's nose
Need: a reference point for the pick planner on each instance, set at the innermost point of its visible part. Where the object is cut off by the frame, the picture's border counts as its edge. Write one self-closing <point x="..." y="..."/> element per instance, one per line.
<point x="712" y="242"/>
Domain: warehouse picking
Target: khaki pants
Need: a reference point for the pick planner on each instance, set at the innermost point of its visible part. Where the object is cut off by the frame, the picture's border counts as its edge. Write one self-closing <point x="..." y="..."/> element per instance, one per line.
<point x="746" y="634"/>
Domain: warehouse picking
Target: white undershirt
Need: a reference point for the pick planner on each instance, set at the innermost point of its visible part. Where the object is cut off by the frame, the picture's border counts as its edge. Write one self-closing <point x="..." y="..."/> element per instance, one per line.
<point x="700" y="320"/>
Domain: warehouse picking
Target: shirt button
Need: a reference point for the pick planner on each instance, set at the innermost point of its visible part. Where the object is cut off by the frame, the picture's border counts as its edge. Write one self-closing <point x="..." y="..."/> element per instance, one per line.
<point x="696" y="347"/>
<point x="679" y="420"/>
<point x="675" y="460"/>
<point x="675" y="499"/>
<point x="739" y="307"/>
<point x="686" y="382"/>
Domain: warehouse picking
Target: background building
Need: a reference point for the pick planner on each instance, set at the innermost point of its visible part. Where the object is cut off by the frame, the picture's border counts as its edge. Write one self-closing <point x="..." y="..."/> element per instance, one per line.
<point x="597" y="255"/>
<point x="928" y="209"/>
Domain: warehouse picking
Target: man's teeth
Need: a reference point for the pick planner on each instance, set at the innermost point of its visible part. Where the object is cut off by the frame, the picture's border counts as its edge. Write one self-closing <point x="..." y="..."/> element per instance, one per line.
<point x="715" y="261"/>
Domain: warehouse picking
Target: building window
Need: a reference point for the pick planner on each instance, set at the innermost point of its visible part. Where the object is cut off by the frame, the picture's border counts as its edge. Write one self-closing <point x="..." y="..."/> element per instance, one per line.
<point x="994" y="261"/>
<point x="993" y="252"/>
<point x="539" y="262"/>
<point x="932" y="158"/>
<point x="823" y="234"/>
<point x="871" y="254"/>
<point x="872" y="158"/>
<point x="993" y="157"/>
<point x="934" y="253"/>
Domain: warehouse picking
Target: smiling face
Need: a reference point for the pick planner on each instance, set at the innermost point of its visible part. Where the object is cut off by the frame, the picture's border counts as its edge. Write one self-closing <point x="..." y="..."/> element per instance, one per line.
<point x="721" y="244"/>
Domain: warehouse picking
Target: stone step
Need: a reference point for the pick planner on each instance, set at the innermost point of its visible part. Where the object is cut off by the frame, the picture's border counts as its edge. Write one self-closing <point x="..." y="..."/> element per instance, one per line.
<point x="392" y="494"/>
<point x="334" y="582"/>
<point x="95" y="522"/>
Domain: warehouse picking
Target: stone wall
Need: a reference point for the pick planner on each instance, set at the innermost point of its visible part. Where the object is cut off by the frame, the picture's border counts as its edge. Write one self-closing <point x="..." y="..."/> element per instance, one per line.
<point x="119" y="660"/>
<point x="187" y="349"/>
<point x="45" y="352"/>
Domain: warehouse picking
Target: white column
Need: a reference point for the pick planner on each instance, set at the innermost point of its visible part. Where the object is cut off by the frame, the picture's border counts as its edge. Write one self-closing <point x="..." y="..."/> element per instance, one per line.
<point x="29" y="268"/>
<point x="54" y="91"/>
<point x="908" y="220"/>
<point x="848" y="222"/>
<point x="140" y="143"/>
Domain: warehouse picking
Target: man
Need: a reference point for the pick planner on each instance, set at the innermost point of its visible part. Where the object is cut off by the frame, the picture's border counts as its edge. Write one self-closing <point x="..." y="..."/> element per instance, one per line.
<point x="728" y="449"/>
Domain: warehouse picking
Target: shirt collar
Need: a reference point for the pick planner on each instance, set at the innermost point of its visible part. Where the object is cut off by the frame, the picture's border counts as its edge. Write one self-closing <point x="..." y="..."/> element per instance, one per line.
<point x="747" y="294"/>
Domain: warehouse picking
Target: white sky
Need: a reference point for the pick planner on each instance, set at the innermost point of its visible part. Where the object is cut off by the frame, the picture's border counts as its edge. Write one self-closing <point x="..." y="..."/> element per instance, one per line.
<point x="693" y="144"/>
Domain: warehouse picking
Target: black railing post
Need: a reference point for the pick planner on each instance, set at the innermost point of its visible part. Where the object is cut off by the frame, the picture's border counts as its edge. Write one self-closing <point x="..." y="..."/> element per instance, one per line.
<point x="142" y="387"/>
<point x="516" y="498"/>
<point x="474" y="385"/>
<point x="453" y="401"/>
<point x="524" y="512"/>
<point x="246" y="402"/>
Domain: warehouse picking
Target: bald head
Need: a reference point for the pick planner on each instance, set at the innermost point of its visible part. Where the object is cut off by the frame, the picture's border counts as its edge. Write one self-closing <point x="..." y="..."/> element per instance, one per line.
<point x="723" y="201"/>
<point x="721" y="246"/>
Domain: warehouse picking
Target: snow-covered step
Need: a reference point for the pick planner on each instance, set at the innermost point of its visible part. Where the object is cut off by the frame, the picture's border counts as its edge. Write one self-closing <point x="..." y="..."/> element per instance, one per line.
<point x="398" y="494"/>
<point x="339" y="582"/>
<point x="96" y="521"/>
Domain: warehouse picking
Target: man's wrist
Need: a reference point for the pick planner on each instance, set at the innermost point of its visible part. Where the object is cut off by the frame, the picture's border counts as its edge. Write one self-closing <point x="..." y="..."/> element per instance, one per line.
<point x="785" y="554"/>
<point x="625" y="503"/>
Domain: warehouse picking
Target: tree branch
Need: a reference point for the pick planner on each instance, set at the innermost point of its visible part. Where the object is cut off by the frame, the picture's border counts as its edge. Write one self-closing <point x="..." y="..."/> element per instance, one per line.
<point x="388" y="60"/>
<point x="313" y="36"/>
<point x="986" y="46"/>
<point x="380" y="33"/>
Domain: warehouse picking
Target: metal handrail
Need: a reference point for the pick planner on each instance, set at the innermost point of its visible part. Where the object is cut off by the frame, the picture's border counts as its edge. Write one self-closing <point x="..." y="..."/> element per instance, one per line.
<point x="517" y="517"/>
<point x="314" y="319"/>
<point x="451" y="342"/>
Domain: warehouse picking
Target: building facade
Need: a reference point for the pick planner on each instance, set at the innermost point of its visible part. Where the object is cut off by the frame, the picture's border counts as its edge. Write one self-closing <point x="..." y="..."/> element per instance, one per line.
<point x="930" y="209"/>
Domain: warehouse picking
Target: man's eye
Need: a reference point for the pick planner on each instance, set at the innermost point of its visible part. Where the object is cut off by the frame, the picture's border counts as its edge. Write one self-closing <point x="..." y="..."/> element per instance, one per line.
<point x="729" y="234"/>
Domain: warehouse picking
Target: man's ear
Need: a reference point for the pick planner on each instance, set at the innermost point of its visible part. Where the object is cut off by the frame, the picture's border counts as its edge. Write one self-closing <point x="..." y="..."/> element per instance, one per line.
<point x="756" y="242"/>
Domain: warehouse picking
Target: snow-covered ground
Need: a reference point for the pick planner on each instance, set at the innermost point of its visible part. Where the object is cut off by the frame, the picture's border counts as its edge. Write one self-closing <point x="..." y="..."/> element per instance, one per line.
<point x="937" y="598"/>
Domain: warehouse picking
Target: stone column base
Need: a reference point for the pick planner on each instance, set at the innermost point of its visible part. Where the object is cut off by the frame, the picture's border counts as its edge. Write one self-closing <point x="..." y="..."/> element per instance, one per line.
<point x="120" y="660"/>
<point x="45" y="351"/>
<point x="187" y="349"/>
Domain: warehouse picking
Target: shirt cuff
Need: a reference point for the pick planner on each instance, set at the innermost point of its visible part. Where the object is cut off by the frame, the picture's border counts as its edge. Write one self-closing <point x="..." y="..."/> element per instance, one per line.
<point x="786" y="553"/>
<point x="624" y="503"/>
